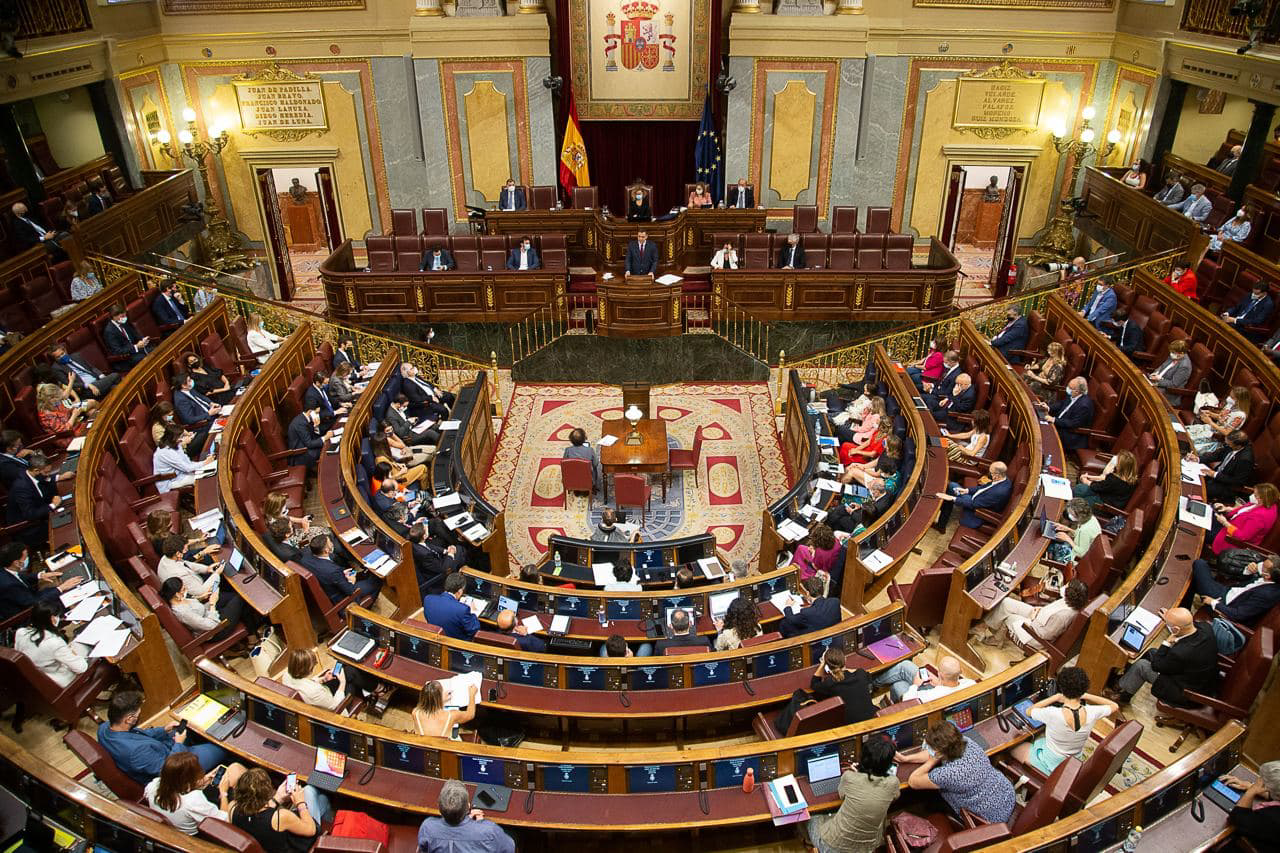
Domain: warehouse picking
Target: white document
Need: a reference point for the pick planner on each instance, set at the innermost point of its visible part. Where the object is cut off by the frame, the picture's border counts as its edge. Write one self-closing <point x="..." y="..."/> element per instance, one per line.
<point x="78" y="593"/>
<point x="96" y="630"/>
<point x="840" y="418"/>
<point x="445" y="426"/>
<point x="475" y="605"/>
<point x="226" y="410"/>
<point x="457" y="690"/>
<point x="1056" y="487"/>
<point x="476" y="534"/>
<point x="75" y="444"/>
<point x="827" y="485"/>
<point x="1192" y="471"/>
<point x="451" y="499"/>
<point x="812" y="513"/>
<point x="462" y="519"/>
<point x="668" y="279"/>
<point x="354" y="536"/>
<point x="783" y="600"/>
<point x="61" y="561"/>
<point x="85" y="610"/>
<point x="559" y="624"/>
<point x="111" y="644"/>
<point x="876" y="560"/>
<point x="1177" y="425"/>
<point x="711" y="568"/>
<point x="607" y="276"/>
<point x="607" y="440"/>
<point x="1202" y="519"/>
<point x="1144" y="619"/>
<point x="424" y="426"/>
<point x="791" y="531"/>
<point x="532" y="624"/>
<point x="602" y="573"/>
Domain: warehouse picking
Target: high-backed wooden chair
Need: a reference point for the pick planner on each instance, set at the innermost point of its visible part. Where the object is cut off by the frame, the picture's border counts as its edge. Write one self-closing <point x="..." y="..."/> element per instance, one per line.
<point x="844" y="220"/>
<point x="585" y="197"/>
<point x="647" y="189"/>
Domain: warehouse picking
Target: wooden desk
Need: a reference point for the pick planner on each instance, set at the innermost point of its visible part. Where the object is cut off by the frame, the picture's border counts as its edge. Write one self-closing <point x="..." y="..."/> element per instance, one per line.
<point x="1138" y="219"/>
<point x="650" y="456"/>
<point x="638" y="309"/>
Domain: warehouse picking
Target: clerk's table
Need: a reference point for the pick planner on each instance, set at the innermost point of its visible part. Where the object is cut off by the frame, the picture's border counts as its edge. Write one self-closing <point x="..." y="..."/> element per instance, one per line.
<point x="650" y="456"/>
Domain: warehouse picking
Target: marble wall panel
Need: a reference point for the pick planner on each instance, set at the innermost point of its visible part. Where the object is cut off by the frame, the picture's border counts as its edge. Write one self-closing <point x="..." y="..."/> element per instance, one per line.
<point x="542" y="124"/>
<point x="875" y="169"/>
<point x="408" y="178"/>
<point x="844" y="185"/>
<point x="737" y="146"/>
<point x="435" y="149"/>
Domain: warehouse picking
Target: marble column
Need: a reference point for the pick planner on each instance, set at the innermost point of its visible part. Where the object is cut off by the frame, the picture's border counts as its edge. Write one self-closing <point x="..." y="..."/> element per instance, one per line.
<point x="1251" y="158"/>
<point x="799" y="7"/>
<point x="479" y="9"/>
<point x="429" y="9"/>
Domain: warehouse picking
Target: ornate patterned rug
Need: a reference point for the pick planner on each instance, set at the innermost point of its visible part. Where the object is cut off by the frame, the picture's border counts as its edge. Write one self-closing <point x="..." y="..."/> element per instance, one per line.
<point x="742" y="468"/>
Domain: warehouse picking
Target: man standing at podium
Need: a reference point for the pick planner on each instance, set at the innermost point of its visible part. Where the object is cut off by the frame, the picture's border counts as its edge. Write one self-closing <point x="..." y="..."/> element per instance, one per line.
<point x="512" y="197"/>
<point x="642" y="256"/>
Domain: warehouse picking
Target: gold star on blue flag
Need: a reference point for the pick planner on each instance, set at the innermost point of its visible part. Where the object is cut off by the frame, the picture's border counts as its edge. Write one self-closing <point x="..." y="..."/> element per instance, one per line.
<point x="706" y="156"/>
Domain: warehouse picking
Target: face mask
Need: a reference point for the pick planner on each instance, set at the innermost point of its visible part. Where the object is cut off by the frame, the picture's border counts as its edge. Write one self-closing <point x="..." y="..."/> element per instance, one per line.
<point x="1253" y="499"/>
<point x="1240" y="213"/>
<point x="64" y="359"/>
<point x="639" y="199"/>
<point x="1135" y="167"/>
<point x="929" y="750"/>
<point x="26" y="561"/>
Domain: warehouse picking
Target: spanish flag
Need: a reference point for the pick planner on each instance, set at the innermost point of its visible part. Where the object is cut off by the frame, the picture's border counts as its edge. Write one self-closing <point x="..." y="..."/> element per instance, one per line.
<point x="573" y="153"/>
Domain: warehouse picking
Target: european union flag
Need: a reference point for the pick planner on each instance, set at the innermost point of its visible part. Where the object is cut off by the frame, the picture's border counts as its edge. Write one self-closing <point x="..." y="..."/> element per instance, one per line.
<point x="706" y="157"/>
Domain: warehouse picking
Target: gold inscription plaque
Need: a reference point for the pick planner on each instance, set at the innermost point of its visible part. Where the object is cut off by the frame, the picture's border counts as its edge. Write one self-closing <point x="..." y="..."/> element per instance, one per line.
<point x="1002" y="97"/>
<point x="280" y="102"/>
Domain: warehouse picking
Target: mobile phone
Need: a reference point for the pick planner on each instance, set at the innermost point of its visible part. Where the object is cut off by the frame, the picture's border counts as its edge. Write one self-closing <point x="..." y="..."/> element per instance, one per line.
<point x="271" y="743"/>
<point x="182" y="727"/>
<point x="604" y="619"/>
<point x="337" y="668"/>
<point x="290" y="783"/>
<point x="485" y="798"/>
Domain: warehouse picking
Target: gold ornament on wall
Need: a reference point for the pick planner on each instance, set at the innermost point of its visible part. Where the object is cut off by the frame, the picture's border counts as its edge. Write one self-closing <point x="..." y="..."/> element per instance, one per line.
<point x="998" y="102"/>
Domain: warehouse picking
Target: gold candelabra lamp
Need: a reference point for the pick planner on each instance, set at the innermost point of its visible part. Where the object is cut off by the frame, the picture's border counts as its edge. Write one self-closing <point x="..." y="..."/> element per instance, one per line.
<point x="223" y="251"/>
<point x="1056" y="244"/>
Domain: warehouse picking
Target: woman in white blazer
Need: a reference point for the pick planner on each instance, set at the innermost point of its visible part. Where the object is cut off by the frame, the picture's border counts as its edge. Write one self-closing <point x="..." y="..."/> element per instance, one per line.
<point x="259" y="339"/>
<point x="41" y="641"/>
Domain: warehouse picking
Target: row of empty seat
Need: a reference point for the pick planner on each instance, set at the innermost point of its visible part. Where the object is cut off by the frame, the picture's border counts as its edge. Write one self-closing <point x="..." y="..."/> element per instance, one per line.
<point x="471" y="254"/>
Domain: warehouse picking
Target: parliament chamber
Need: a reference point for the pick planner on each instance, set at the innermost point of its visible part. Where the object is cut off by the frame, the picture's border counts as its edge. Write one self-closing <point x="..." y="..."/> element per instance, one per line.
<point x="494" y="425"/>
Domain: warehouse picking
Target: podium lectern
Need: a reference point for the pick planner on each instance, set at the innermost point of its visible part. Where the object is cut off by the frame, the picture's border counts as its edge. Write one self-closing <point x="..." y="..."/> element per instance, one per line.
<point x="638" y="307"/>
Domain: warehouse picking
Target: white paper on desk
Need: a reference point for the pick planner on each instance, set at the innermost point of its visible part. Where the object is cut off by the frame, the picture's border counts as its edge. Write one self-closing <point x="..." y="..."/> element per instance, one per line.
<point x="607" y="440"/>
<point x="812" y="513"/>
<point x="78" y="593"/>
<point x="451" y="499"/>
<point x="669" y="278"/>
<point x="1192" y="471"/>
<point x="783" y="600"/>
<point x="602" y="573"/>
<point x="457" y="690"/>
<point x="532" y="624"/>
<point x="829" y="485"/>
<point x="559" y="623"/>
<point x="876" y="560"/>
<point x="110" y="645"/>
<point x="1177" y="426"/>
<point x="1056" y="487"/>
<point x="475" y="605"/>
<point x="226" y="410"/>
<point x="371" y="367"/>
<point x="98" y="629"/>
<point x="462" y="519"/>
<point x="210" y="463"/>
<point x="711" y="568"/>
<point x="181" y="482"/>
<point x="354" y="536"/>
<point x="61" y="560"/>
<point x="476" y="534"/>
<point x="85" y="610"/>
<point x="1144" y="619"/>
<point x="606" y="276"/>
<point x="791" y="531"/>
<point x="1204" y="522"/>
<point x="424" y="426"/>
<point x="75" y="444"/>
<point x="840" y="418"/>
<point x="445" y="426"/>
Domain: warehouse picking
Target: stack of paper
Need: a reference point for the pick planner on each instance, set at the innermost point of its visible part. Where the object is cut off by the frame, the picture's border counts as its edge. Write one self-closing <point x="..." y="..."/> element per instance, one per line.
<point x="111" y="644"/>
<point x="607" y="440"/>
<point x="1143" y="619"/>
<point x="784" y="793"/>
<point x="462" y="519"/>
<point x="1193" y="471"/>
<point x="86" y="609"/>
<point x="876" y="560"/>
<point x="379" y="562"/>
<point x="446" y="500"/>
<point x="602" y="573"/>
<point x="783" y="600"/>
<point x="669" y="279"/>
<point x="476" y="533"/>
<point x="1056" y="487"/>
<point x="75" y="444"/>
<point x="95" y="631"/>
<point x="791" y="531"/>
<point x="559" y="624"/>
<point x="445" y="426"/>
<point x="457" y="690"/>
<point x="424" y="426"/>
<point x="812" y="513"/>
<point x="77" y="594"/>
<point x="711" y="568"/>
<point x="354" y="536"/>
<point x="203" y="712"/>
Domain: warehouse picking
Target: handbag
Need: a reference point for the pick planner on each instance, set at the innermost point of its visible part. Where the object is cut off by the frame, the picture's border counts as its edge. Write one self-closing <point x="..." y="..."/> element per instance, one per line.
<point x="914" y="830"/>
<point x="263" y="654"/>
<point x="1234" y="561"/>
<point x="349" y="824"/>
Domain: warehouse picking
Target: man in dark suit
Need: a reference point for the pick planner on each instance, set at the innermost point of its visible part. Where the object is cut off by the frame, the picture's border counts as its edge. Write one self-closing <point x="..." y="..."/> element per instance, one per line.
<point x="991" y="495"/>
<point x="1074" y="411"/>
<point x="1272" y="347"/>
<point x="523" y="257"/>
<point x="277" y="541"/>
<point x="436" y="260"/>
<point x="638" y="207"/>
<point x="166" y="308"/>
<point x="934" y="391"/>
<point x="1125" y="333"/>
<point x="122" y="339"/>
<point x="791" y="256"/>
<point x="1227" y="165"/>
<point x="13" y="458"/>
<point x="506" y="622"/>
<point x="817" y="612"/>
<point x="338" y="583"/>
<point x="1187" y="660"/>
<point x="317" y="397"/>
<point x="642" y="256"/>
<point x="305" y="438"/>
<point x="446" y="611"/>
<point x="431" y="561"/>
<point x="1014" y="335"/>
<point x="681" y="634"/>
<point x="1254" y="310"/>
<point x="399" y="420"/>
<point x="426" y="400"/>
<point x="28" y="233"/>
<point x="99" y="199"/>
<point x="20" y="587"/>
<point x="193" y="409"/>
<point x="345" y="353"/>
<point x="85" y="379"/>
<point x="32" y="497"/>
<point x="1248" y="600"/>
<point x="385" y="498"/>
<point x="511" y="197"/>
<point x="740" y="195"/>
<point x="961" y="398"/>
<point x="1232" y="468"/>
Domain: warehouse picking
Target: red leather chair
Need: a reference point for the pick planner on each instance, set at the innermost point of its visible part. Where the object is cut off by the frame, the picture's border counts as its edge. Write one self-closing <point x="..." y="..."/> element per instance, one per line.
<point x="585" y="197"/>
<point x="434" y="222"/>
<point x="382" y="254"/>
<point x="684" y="650"/>
<point x="761" y="639"/>
<point x="192" y="645"/>
<point x="957" y="842"/>
<point x="496" y="638"/>
<point x="755" y="259"/>
<point x="543" y="198"/>
<point x="30" y="687"/>
<point x="841" y="259"/>
<point x="814" y="717"/>
<point x="576" y="476"/>
<point x="408" y="253"/>
<point x="687" y="460"/>
<point x="1104" y="763"/>
<point x="925" y="597"/>
<point x="632" y="490"/>
<point x="870" y="259"/>
<point x="1240" y="684"/>
<point x="844" y="220"/>
<point x="223" y="833"/>
<point x="804" y="218"/>
<point x="878" y="220"/>
<point x="102" y="765"/>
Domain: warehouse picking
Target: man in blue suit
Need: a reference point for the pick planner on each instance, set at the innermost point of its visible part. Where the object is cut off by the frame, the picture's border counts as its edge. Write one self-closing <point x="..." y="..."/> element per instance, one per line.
<point x="1013" y="336"/>
<point x="317" y="397"/>
<point x="19" y="586"/>
<point x="122" y="340"/>
<point x="523" y="257"/>
<point x="1126" y="334"/>
<point x="446" y="611"/>
<point x="385" y="498"/>
<point x="1072" y="412"/>
<point x="1254" y="310"/>
<point x="993" y="495"/>
<point x="818" y="611"/>
<point x="193" y="408"/>
<point x="642" y="255"/>
<point x="166" y="308"/>
<point x="305" y="438"/>
<point x="961" y="400"/>
<point x="511" y="197"/>
<point x="933" y="391"/>
<point x="1101" y="304"/>
<point x="337" y="583"/>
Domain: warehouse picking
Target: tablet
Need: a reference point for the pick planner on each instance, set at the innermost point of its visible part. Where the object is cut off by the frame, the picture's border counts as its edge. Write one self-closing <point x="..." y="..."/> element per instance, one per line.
<point x="1133" y="638"/>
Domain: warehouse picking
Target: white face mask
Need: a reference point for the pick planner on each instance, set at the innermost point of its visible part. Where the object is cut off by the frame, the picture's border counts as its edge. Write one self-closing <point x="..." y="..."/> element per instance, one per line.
<point x="1240" y="213"/>
<point x="1135" y="167"/>
<point x="639" y="197"/>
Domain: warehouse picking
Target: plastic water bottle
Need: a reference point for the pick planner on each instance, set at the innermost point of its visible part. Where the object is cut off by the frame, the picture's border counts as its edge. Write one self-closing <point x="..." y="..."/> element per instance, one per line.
<point x="559" y="564"/>
<point x="1131" y="842"/>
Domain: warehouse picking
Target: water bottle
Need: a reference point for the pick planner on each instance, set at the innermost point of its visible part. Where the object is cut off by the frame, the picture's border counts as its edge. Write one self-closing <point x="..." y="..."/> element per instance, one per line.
<point x="559" y="564"/>
<point x="1131" y="842"/>
<point x="749" y="781"/>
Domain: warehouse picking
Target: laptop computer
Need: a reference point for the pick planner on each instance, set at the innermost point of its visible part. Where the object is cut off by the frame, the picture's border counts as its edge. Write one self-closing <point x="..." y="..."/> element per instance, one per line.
<point x="1047" y="528"/>
<point x="824" y="774"/>
<point x="720" y="601"/>
<point x="495" y="606"/>
<point x="330" y="767"/>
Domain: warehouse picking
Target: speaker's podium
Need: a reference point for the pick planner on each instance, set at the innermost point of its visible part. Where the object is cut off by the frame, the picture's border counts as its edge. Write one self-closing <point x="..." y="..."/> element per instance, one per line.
<point x="637" y="306"/>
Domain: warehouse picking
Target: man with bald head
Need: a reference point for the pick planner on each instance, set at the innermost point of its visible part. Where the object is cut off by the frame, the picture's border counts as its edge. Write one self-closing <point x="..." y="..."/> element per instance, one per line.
<point x="992" y="493"/>
<point x="950" y="679"/>
<point x="1227" y="165"/>
<point x="507" y="624"/>
<point x="1186" y="660"/>
<point x="28" y="233"/>
<point x="961" y="400"/>
<point x="1070" y="414"/>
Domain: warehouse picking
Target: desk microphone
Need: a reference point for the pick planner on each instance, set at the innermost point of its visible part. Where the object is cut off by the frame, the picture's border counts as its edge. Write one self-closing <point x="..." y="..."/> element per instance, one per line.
<point x="368" y="774"/>
<point x="624" y="698"/>
<point x="528" y="801"/>
<point x="746" y="685"/>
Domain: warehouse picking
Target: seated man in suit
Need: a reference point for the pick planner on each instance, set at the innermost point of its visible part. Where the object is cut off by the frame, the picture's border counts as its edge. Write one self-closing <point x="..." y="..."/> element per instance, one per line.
<point x="167" y="307"/>
<point x="511" y="197"/>
<point x="32" y="497"/>
<point x="1172" y="191"/>
<point x="791" y="256"/>
<point x="1272" y="347"/>
<point x="642" y="256"/>
<point x="817" y="610"/>
<point x="431" y="561"/>
<point x="1174" y="373"/>
<point x="402" y="425"/>
<point x="740" y="195"/>
<point x="437" y="259"/>
<point x="933" y="391"/>
<point x="85" y="379"/>
<point x="337" y="582"/>
<point x="993" y="495"/>
<point x="638" y="207"/>
<point x="426" y="400"/>
<point x="99" y="199"/>
<point x="345" y="353"/>
<point x="1074" y="411"/>
<point x="193" y="410"/>
<point x="506" y="622"/>
<point x="446" y="611"/>
<point x="1227" y="165"/>
<point x="316" y="396"/>
<point x="961" y="400"/>
<point x="1231" y="468"/>
<point x="1014" y="335"/>
<point x="523" y="257"/>
<point x="122" y="339"/>
<point x="1247" y="600"/>
<point x="14" y="459"/>
<point x="22" y="584"/>
<point x="387" y="496"/>
<point x="1124" y="332"/>
<point x="305" y="438"/>
<point x="1101" y="304"/>
<point x="1253" y="310"/>
<point x="277" y="541"/>
<point x="1196" y="206"/>
<point x="1187" y="660"/>
<point x="681" y="634"/>
<point x="580" y="448"/>
<point x="28" y="233"/>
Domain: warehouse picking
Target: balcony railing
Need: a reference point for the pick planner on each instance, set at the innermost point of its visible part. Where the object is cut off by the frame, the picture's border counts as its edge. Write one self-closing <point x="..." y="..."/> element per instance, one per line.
<point x="1214" y="18"/>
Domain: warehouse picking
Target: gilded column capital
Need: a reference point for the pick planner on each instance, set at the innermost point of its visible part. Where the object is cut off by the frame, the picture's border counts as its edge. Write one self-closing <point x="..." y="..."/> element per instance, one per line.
<point x="428" y="9"/>
<point x="748" y="7"/>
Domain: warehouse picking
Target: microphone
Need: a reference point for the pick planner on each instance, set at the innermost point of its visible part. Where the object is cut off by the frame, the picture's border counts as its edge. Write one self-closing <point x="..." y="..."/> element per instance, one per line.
<point x="746" y="685"/>
<point x="368" y="774"/>
<point x="624" y="698"/>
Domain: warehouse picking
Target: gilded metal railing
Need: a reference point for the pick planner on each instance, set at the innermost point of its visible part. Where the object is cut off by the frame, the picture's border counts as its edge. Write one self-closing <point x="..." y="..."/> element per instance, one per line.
<point x="713" y="313"/>
<point x="846" y="363"/>
<point x="1216" y="18"/>
<point x="443" y="366"/>
<point x="567" y="313"/>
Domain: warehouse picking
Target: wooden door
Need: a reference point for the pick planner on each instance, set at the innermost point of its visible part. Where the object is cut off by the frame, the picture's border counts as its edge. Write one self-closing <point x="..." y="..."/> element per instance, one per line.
<point x="1007" y="241"/>
<point x="951" y="213"/>
<point x="281" y="267"/>
<point x="329" y="207"/>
